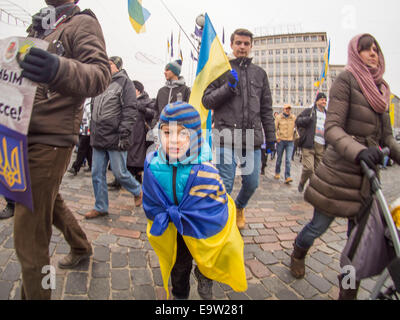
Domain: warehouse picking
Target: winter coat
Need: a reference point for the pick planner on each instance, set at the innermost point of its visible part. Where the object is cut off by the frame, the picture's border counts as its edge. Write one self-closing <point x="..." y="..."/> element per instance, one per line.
<point x="169" y="94"/>
<point x="248" y="106"/>
<point x="306" y="124"/>
<point x="114" y="113"/>
<point x="84" y="72"/>
<point x="146" y="113"/>
<point x="338" y="187"/>
<point x="285" y="127"/>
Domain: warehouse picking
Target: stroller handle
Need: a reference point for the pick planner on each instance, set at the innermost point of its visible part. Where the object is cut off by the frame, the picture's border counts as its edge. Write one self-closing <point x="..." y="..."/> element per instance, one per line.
<point x="370" y="173"/>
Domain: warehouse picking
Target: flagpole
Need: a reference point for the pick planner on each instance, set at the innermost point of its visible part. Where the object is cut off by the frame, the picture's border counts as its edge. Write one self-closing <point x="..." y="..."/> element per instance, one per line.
<point x="179" y="25"/>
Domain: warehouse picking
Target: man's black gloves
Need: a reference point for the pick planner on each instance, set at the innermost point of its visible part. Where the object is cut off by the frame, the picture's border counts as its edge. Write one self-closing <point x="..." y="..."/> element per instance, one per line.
<point x="40" y="66"/>
<point x="371" y="156"/>
<point x="270" y="147"/>
<point x="123" y="144"/>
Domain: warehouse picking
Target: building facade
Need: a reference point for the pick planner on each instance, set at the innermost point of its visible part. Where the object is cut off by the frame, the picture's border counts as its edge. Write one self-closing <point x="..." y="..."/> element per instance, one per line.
<point x="293" y="63"/>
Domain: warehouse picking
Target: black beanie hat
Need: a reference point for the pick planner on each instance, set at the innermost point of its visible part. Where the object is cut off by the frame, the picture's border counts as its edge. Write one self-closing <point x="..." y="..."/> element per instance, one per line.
<point x="139" y="86"/>
<point x="117" y="61"/>
<point x="320" y="95"/>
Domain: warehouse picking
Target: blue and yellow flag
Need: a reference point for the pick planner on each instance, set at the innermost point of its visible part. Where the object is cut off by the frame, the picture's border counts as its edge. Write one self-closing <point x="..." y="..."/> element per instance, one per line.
<point x="391" y="110"/>
<point x="206" y="219"/>
<point x="138" y="15"/>
<point x="324" y="73"/>
<point x="213" y="63"/>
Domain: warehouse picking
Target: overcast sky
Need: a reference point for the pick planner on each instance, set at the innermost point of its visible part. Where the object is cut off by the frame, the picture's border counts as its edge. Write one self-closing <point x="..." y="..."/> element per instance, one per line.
<point x="340" y="19"/>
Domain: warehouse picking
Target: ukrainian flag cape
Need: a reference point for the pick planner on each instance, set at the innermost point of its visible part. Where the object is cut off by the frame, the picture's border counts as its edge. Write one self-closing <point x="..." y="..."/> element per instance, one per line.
<point x="206" y="218"/>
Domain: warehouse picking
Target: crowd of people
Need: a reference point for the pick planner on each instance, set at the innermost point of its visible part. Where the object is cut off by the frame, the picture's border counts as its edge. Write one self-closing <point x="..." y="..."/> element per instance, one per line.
<point x="119" y="127"/>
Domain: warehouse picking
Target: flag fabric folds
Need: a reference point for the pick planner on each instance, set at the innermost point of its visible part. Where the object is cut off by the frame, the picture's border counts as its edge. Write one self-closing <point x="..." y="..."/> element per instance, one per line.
<point x="324" y="73"/>
<point x="138" y="15"/>
<point x="172" y="45"/>
<point x="213" y="63"/>
<point x="391" y="110"/>
<point x="206" y="219"/>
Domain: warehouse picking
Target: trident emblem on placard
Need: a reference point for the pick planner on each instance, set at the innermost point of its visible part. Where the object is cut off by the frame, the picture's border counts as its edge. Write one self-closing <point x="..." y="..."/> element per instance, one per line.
<point x="10" y="167"/>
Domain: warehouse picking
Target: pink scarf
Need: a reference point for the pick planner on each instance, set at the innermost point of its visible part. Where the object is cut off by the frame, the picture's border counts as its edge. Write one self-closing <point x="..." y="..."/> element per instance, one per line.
<point x="374" y="88"/>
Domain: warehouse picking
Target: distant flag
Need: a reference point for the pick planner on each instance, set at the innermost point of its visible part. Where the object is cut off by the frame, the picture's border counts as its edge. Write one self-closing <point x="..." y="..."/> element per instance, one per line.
<point x="213" y="63"/>
<point x="138" y="15"/>
<point x="391" y="110"/>
<point x="168" y="45"/>
<point x="324" y="73"/>
<point x="172" y="45"/>
<point x="193" y="57"/>
<point x="180" y="54"/>
<point x="223" y="35"/>
<point x="198" y="32"/>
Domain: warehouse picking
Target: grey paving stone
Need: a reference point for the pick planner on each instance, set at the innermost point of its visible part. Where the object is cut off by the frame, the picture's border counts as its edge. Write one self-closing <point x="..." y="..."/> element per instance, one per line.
<point x="76" y="283"/>
<point x="252" y="248"/>
<point x="286" y="294"/>
<point x="5" y="233"/>
<point x="99" y="289"/>
<point x="120" y="279"/>
<point x="63" y="248"/>
<point x="122" y="295"/>
<point x="12" y="272"/>
<point x="322" y="257"/>
<point x="5" y="289"/>
<point x="137" y="259"/>
<point x="9" y="243"/>
<point x="5" y="255"/>
<point x="218" y="292"/>
<point x="273" y="285"/>
<point x="101" y="254"/>
<point x="283" y="273"/>
<point x="257" y="292"/>
<point x="55" y="239"/>
<point x="331" y="276"/>
<point x="144" y="293"/>
<point x="237" y="296"/>
<point x="281" y="255"/>
<point x="131" y="243"/>
<point x="57" y="293"/>
<point x="105" y="240"/>
<point x="75" y="298"/>
<point x="141" y="277"/>
<point x="315" y="265"/>
<point x="304" y="289"/>
<point x="157" y="277"/>
<point x="319" y="283"/>
<point x="100" y="270"/>
<point x="249" y="233"/>
<point x="119" y="260"/>
<point x="266" y="258"/>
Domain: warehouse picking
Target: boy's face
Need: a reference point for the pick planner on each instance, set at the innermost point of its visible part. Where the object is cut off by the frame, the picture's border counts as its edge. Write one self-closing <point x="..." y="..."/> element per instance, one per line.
<point x="175" y="140"/>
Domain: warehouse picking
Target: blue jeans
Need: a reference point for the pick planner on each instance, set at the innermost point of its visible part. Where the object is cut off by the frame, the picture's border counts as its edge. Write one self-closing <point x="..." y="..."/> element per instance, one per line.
<point x="121" y="173"/>
<point x="250" y="163"/>
<point x="282" y="146"/>
<point x="316" y="228"/>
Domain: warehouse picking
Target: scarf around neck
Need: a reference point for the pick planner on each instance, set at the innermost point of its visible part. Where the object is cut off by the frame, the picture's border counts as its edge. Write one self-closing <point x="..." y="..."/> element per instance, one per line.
<point x="373" y="86"/>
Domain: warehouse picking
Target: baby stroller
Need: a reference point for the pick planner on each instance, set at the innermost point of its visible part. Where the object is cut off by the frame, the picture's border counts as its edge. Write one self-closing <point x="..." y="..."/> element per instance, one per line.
<point x="373" y="247"/>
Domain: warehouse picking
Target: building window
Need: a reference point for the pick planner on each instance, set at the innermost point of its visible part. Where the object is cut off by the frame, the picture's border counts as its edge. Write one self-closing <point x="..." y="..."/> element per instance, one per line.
<point x="256" y="42"/>
<point x="278" y="59"/>
<point x="299" y="50"/>
<point x="292" y="51"/>
<point x="270" y="41"/>
<point x="271" y="52"/>
<point x="291" y="39"/>
<point x="256" y="53"/>
<point x="284" y="51"/>
<point x="277" y="40"/>
<point x="263" y="42"/>
<point x="264" y="52"/>
<point x="284" y="40"/>
<point x="278" y="51"/>
<point x="315" y="50"/>
<point x="314" y="38"/>
<point x="306" y="38"/>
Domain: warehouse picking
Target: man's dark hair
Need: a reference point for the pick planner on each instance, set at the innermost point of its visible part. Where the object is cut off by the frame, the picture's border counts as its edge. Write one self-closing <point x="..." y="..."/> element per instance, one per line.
<point x="241" y="32"/>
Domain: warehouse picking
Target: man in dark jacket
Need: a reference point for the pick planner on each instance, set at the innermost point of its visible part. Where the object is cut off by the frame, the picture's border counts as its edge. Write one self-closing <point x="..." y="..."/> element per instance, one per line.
<point x="74" y="67"/>
<point x="113" y="117"/>
<point x="242" y="104"/>
<point x="175" y="88"/>
<point x="146" y="113"/>
<point x="310" y="124"/>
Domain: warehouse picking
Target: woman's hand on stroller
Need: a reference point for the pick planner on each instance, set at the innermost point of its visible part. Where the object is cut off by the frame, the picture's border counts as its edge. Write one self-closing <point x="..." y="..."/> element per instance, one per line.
<point x="371" y="156"/>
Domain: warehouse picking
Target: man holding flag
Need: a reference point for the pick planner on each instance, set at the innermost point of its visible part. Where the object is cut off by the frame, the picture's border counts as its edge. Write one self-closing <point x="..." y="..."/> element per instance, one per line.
<point x="242" y="104"/>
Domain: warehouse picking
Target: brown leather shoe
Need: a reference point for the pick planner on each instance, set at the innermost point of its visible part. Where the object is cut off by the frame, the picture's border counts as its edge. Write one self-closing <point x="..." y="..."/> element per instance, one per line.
<point x="297" y="262"/>
<point x="139" y="200"/>
<point x="72" y="259"/>
<point x="95" y="214"/>
<point x="240" y="219"/>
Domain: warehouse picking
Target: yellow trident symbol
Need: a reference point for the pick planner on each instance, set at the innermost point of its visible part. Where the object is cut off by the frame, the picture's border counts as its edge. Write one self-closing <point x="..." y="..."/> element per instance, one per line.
<point x="11" y="173"/>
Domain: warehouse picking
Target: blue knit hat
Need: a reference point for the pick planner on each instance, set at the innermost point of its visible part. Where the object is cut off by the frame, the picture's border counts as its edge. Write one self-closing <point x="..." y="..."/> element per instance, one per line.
<point x="175" y="67"/>
<point x="187" y="116"/>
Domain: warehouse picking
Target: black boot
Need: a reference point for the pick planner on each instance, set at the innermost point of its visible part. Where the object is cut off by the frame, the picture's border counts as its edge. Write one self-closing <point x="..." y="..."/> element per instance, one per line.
<point x="114" y="185"/>
<point x="7" y="212"/>
<point x="73" y="171"/>
<point x="347" y="294"/>
<point x="204" y="287"/>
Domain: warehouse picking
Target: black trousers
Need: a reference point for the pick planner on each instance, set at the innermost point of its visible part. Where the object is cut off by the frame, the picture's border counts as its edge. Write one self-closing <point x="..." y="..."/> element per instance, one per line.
<point x="137" y="173"/>
<point x="180" y="275"/>
<point x="84" y="151"/>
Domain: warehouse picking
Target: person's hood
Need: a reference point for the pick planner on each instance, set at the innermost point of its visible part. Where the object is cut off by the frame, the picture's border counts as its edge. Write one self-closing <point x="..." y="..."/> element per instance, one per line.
<point x="176" y="83"/>
<point x="120" y="74"/>
<point x="144" y="96"/>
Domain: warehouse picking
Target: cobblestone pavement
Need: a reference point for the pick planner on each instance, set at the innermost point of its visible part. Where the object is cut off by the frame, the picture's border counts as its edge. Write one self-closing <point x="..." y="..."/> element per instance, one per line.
<point x="124" y="266"/>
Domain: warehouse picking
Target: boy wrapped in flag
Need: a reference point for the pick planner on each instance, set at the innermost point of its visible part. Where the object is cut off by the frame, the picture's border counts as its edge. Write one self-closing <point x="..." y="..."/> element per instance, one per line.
<point x="190" y="215"/>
